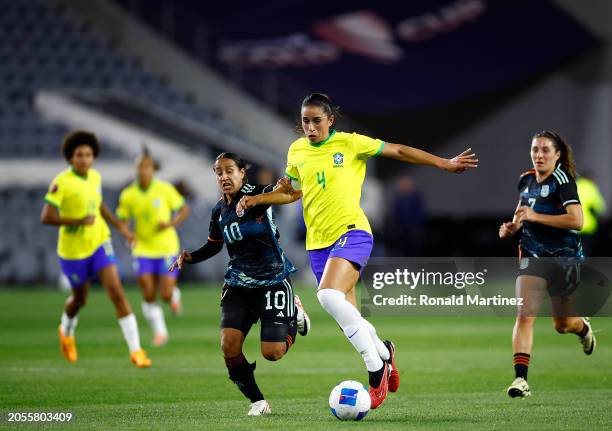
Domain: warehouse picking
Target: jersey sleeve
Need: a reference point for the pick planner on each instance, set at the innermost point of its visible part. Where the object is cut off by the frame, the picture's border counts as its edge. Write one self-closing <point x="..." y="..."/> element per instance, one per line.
<point x="522" y="182"/>
<point x="257" y="189"/>
<point x="55" y="194"/>
<point x="568" y="192"/>
<point x="214" y="229"/>
<point x="175" y="199"/>
<point x="292" y="166"/>
<point x="123" y="210"/>
<point x="366" y="147"/>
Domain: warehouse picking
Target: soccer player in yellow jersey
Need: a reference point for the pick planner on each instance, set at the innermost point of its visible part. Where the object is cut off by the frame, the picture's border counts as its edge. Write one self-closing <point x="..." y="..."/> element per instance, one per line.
<point x="156" y="208"/>
<point x="327" y="168"/>
<point x="74" y="203"/>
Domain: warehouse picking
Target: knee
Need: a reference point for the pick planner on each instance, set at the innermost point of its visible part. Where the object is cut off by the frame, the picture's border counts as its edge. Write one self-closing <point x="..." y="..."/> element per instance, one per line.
<point x="79" y="300"/>
<point x="166" y="295"/>
<point x="273" y="353"/>
<point x="562" y="326"/>
<point x="328" y="297"/>
<point x="230" y="346"/>
<point x="149" y="295"/>
<point x="524" y="321"/>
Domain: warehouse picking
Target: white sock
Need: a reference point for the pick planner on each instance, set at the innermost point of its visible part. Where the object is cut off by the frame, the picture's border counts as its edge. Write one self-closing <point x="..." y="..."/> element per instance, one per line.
<point x="129" y="327"/>
<point x="351" y="322"/>
<point x="382" y="350"/>
<point x="69" y="325"/>
<point x="155" y="316"/>
<point x="176" y="294"/>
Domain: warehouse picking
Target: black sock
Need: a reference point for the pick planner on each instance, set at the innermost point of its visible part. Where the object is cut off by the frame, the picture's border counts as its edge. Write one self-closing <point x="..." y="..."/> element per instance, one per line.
<point x="241" y="373"/>
<point x="583" y="331"/>
<point x="521" y="364"/>
<point x="375" y="377"/>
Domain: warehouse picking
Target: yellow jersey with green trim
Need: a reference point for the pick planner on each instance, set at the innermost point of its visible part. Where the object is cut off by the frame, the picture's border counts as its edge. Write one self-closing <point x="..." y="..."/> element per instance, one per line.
<point x="77" y="197"/>
<point x="331" y="174"/>
<point x="148" y="208"/>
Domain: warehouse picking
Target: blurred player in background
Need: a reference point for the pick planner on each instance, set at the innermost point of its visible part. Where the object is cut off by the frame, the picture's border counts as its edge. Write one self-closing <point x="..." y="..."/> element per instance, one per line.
<point x="156" y="208"/>
<point x="550" y="214"/>
<point x="327" y="168"/>
<point x="593" y="207"/>
<point x="257" y="284"/>
<point x="74" y="203"/>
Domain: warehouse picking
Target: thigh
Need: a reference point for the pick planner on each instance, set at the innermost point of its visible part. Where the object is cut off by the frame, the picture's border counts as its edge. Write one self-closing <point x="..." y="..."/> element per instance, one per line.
<point x="78" y="271"/>
<point x="563" y="306"/>
<point x="109" y="277"/>
<point x="347" y="258"/>
<point x="237" y="310"/>
<point x="318" y="259"/>
<point x="339" y="274"/>
<point x="103" y="257"/>
<point x="532" y="289"/>
<point x="147" y="285"/>
<point x="276" y="311"/>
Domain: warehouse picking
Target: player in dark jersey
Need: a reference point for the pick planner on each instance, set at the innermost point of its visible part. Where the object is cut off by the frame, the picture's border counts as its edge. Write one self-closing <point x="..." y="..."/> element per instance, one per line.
<point x="257" y="284"/>
<point x="549" y="214"/>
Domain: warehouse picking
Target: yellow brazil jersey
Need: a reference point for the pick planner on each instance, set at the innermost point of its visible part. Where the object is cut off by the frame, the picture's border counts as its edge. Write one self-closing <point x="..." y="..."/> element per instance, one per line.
<point x="148" y="208"/>
<point x="331" y="174"/>
<point x="76" y="197"/>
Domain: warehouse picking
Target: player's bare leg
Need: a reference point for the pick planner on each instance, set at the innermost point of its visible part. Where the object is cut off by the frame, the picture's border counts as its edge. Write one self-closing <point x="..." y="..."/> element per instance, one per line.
<point x="66" y="330"/>
<point x="151" y="310"/>
<point x="109" y="276"/>
<point x="241" y="372"/>
<point x="339" y="279"/>
<point x="273" y="351"/>
<point x="565" y="323"/>
<point x="171" y="294"/>
<point x="533" y="291"/>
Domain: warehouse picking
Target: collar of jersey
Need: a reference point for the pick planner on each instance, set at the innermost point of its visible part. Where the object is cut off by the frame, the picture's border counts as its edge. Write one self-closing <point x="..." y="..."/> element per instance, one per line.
<point x="331" y="135"/>
<point x="77" y="174"/>
<point x="147" y="189"/>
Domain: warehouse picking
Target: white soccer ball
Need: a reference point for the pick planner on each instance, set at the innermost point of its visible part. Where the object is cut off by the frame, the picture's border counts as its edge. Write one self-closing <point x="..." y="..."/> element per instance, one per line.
<point x="350" y="401"/>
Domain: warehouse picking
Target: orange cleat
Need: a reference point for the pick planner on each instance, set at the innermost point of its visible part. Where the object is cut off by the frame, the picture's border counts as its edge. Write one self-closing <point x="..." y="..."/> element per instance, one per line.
<point x="378" y="395"/>
<point x="68" y="346"/>
<point x="140" y="359"/>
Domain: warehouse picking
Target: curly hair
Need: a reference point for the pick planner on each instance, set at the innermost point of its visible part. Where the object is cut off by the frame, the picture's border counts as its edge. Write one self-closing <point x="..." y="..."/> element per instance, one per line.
<point x="75" y="139"/>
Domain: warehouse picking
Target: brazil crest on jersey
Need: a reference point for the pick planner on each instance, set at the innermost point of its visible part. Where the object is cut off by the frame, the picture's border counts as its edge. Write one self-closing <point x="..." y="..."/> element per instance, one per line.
<point x="549" y="197"/>
<point x="252" y="241"/>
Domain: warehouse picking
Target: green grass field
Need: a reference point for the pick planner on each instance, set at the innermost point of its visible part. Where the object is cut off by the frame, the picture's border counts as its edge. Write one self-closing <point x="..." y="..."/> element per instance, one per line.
<point x="454" y="372"/>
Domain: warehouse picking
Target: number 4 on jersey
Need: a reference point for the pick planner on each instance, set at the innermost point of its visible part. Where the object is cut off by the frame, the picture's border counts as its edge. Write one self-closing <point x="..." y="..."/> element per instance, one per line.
<point x="321" y="179"/>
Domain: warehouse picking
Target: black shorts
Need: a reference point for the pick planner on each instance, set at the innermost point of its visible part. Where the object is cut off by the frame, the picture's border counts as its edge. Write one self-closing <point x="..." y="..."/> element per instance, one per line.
<point x="241" y="307"/>
<point x="562" y="275"/>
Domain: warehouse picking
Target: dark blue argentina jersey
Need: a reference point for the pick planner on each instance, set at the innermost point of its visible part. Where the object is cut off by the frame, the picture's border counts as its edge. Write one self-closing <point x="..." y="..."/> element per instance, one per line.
<point x="256" y="258"/>
<point x="550" y="197"/>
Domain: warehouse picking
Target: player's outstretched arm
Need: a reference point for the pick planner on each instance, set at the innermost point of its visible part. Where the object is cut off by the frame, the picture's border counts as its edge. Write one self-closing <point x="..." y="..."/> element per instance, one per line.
<point x="573" y="219"/>
<point x="403" y="153"/>
<point x="282" y="194"/>
<point x="51" y="216"/>
<point x="205" y="252"/>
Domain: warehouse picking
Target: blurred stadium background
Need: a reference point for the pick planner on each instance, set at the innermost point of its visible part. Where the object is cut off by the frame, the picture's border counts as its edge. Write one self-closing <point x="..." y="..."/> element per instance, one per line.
<point x="193" y="78"/>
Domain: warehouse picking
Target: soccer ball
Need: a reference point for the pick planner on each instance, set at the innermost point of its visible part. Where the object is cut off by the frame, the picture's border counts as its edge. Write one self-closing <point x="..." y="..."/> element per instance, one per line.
<point x="349" y="401"/>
